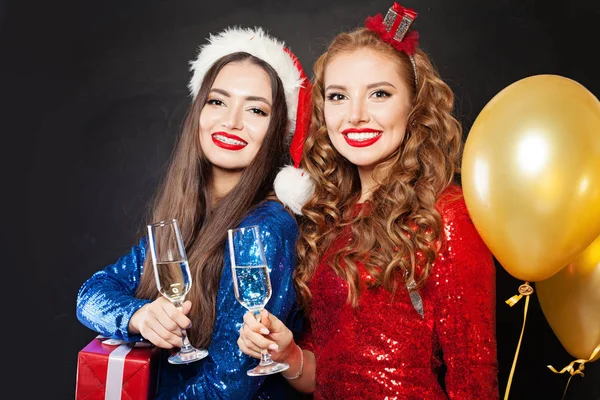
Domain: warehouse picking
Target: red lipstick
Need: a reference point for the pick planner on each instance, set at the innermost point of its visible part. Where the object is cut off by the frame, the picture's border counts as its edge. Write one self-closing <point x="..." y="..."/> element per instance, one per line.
<point x="363" y="142"/>
<point x="218" y="139"/>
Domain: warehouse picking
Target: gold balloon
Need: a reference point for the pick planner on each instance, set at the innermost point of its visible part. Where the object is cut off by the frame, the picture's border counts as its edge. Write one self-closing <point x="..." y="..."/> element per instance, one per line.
<point x="531" y="174"/>
<point x="570" y="301"/>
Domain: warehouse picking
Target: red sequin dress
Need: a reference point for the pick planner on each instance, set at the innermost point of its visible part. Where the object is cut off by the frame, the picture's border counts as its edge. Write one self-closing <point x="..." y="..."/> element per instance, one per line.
<point x="384" y="349"/>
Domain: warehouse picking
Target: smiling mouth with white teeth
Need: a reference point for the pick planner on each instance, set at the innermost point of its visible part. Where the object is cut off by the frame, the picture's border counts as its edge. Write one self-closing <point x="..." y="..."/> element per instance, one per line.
<point x="362" y="136"/>
<point x="228" y="141"/>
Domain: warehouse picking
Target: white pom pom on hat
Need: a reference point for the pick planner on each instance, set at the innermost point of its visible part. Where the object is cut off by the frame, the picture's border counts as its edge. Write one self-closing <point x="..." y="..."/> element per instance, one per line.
<point x="293" y="186"/>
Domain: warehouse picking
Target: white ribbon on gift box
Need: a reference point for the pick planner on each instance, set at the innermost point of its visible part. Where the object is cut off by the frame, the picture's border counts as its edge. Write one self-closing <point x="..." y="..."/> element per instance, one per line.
<point x="114" y="373"/>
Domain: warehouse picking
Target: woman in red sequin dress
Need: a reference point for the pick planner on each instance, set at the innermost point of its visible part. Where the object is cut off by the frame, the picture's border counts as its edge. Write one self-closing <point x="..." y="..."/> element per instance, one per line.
<point x="398" y="286"/>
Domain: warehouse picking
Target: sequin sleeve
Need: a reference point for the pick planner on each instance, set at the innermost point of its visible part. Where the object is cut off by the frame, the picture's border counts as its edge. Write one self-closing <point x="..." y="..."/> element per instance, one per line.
<point x="466" y="307"/>
<point x="106" y="301"/>
<point x="222" y="375"/>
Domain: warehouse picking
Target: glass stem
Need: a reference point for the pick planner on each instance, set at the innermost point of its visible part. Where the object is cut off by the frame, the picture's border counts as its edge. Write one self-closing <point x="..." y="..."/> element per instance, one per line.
<point x="185" y="342"/>
<point x="265" y="357"/>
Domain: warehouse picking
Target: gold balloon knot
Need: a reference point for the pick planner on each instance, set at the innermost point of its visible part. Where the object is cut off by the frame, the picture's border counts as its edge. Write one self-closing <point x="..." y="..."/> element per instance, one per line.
<point x="524" y="290"/>
<point x="570" y="368"/>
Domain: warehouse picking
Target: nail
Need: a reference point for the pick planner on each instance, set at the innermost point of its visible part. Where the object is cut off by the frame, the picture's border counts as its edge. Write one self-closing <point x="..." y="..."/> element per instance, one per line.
<point x="264" y="331"/>
<point x="273" y="346"/>
<point x="189" y="326"/>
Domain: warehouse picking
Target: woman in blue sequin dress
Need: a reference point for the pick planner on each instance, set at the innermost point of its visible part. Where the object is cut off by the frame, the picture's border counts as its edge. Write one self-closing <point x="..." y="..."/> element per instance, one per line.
<point x="248" y="102"/>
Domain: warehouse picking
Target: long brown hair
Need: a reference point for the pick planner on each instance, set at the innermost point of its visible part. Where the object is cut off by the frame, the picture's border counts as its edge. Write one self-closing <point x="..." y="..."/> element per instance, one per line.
<point x="185" y="195"/>
<point x="399" y="236"/>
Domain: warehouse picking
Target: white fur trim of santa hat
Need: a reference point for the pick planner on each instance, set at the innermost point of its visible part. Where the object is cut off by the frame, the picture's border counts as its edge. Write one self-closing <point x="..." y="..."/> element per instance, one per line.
<point x="293" y="187"/>
<point x="258" y="43"/>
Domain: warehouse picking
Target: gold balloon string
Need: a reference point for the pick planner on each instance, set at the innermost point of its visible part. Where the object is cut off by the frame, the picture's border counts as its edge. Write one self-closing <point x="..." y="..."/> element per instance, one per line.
<point x="571" y="369"/>
<point x="524" y="290"/>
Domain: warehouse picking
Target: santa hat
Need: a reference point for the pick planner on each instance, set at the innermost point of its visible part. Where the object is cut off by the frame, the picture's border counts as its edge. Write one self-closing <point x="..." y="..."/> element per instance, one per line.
<point x="292" y="185"/>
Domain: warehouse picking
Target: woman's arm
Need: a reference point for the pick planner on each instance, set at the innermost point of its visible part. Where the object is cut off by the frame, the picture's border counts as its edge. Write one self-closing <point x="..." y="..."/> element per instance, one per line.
<point x="106" y="301"/>
<point x="306" y="382"/>
<point x="466" y="306"/>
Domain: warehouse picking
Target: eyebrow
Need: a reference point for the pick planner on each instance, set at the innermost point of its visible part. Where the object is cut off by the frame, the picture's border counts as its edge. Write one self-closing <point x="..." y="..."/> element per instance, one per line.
<point x="369" y="86"/>
<point x="338" y="87"/>
<point x="248" y="98"/>
<point x="382" y="83"/>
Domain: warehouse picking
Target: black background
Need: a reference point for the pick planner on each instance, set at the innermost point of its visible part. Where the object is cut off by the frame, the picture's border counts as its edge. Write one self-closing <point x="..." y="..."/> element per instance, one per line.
<point x="94" y="92"/>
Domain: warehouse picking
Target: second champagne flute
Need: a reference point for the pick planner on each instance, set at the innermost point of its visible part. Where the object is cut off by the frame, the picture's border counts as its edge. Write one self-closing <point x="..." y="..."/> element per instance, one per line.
<point x="252" y="284"/>
<point x="173" y="278"/>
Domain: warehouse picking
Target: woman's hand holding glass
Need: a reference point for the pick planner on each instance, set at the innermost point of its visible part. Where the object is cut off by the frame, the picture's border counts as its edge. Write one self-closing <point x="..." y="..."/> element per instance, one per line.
<point x="252" y="284"/>
<point x="160" y="322"/>
<point x="174" y="281"/>
<point x="270" y="334"/>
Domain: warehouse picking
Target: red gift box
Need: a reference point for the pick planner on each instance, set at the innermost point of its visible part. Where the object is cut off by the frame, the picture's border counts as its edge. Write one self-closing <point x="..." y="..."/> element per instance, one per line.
<point x="122" y="371"/>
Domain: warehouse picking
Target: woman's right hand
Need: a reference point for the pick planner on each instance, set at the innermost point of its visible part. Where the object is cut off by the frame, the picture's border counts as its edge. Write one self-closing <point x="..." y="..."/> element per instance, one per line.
<point x="270" y="334"/>
<point x="160" y="322"/>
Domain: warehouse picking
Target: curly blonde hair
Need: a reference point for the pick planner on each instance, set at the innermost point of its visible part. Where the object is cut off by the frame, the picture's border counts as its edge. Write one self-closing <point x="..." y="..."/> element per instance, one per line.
<point x="401" y="232"/>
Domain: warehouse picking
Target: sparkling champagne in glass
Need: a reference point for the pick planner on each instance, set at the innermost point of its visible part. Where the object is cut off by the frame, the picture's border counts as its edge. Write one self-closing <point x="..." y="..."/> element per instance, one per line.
<point x="173" y="278"/>
<point x="252" y="285"/>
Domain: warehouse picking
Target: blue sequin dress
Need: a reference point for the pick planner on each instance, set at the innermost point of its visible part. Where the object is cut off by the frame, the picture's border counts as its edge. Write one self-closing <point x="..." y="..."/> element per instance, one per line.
<point x="106" y="302"/>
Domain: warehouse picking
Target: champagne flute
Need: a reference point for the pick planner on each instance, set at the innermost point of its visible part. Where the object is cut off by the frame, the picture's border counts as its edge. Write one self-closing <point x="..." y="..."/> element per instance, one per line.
<point x="173" y="278"/>
<point x="252" y="284"/>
